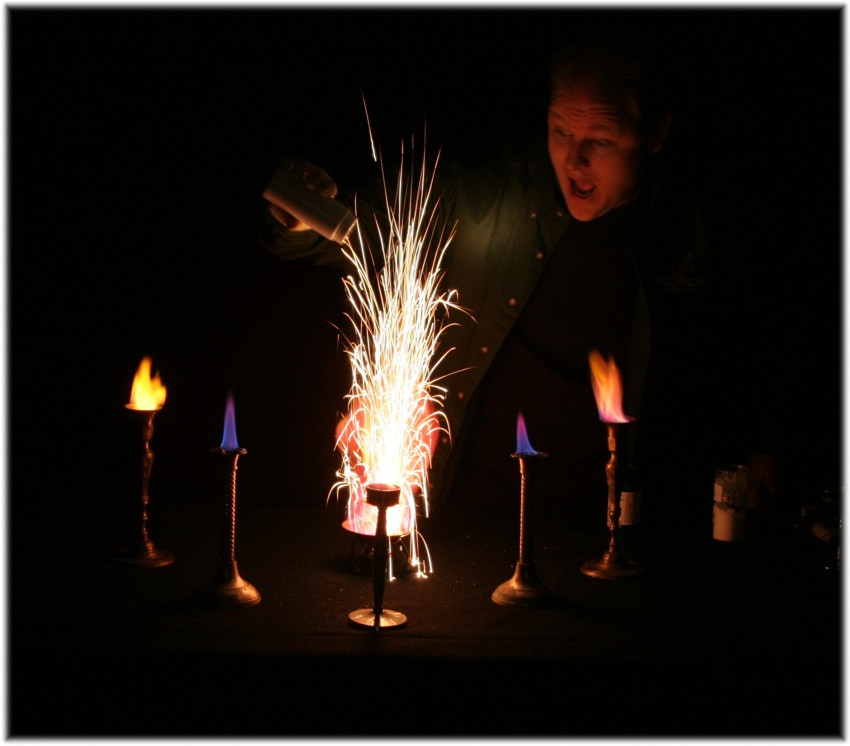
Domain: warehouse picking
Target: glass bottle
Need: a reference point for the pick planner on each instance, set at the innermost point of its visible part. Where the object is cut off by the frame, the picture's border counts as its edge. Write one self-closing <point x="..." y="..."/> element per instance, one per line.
<point x="630" y="501"/>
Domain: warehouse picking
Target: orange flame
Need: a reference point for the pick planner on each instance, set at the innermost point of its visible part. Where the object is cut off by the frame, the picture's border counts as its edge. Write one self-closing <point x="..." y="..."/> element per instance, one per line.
<point x="607" y="388"/>
<point x="147" y="393"/>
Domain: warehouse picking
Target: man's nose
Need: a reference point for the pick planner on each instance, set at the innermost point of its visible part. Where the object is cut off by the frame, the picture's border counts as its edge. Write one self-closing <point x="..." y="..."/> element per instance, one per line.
<point x="577" y="156"/>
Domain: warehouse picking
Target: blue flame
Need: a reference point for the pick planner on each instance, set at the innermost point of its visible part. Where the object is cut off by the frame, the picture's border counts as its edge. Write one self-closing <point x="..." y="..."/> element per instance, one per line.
<point x="522" y="444"/>
<point x="228" y="441"/>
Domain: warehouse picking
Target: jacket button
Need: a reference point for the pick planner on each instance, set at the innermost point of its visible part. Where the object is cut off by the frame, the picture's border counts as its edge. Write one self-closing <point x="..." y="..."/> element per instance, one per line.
<point x="511" y="302"/>
<point x="485" y="349"/>
<point x="539" y="255"/>
<point x="461" y="395"/>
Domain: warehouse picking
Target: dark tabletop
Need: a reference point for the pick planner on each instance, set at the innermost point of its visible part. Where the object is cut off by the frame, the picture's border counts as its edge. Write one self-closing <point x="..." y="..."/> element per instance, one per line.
<point x="712" y="638"/>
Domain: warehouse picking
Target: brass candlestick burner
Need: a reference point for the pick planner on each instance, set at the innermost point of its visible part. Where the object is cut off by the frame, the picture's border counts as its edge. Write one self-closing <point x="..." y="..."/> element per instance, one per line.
<point x="614" y="563"/>
<point x="143" y="552"/>
<point x="382" y="496"/>
<point x="228" y="588"/>
<point x="525" y="587"/>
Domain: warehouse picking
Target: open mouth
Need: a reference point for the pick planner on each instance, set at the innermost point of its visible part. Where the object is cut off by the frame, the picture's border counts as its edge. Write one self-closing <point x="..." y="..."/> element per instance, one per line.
<point x="580" y="192"/>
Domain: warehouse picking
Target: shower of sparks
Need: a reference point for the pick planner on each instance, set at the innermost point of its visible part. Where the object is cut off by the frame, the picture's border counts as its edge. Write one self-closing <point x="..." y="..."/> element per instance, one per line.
<point x="398" y="317"/>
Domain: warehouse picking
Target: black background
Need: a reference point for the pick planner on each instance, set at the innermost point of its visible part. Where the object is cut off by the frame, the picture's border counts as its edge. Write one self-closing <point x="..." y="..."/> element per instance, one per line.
<point x="139" y="144"/>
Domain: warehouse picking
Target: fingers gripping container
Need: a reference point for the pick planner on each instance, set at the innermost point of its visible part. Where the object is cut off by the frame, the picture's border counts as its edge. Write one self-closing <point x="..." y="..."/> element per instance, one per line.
<point x="324" y="215"/>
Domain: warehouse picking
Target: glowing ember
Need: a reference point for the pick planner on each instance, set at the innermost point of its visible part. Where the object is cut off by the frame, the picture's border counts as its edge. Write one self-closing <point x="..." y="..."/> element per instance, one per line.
<point x="228" y="440"/>
<point x="394" y="416"/>
<point x="607" y="388"/>
<point x="148" y="393"/>
<point x="523" y="446"/>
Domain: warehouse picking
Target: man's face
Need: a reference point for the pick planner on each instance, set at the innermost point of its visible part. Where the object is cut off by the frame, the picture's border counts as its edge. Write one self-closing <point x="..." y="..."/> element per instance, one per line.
<point x="596" y="151"/>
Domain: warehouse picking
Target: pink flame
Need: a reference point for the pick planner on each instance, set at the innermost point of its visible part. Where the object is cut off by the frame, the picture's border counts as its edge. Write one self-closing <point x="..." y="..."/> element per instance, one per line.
<point x="523" y="446"/>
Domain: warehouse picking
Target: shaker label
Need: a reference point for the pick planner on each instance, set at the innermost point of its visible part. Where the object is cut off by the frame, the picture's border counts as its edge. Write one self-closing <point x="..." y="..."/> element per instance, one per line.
<point x="719" y="497"/>
<point x="629" y="509"/>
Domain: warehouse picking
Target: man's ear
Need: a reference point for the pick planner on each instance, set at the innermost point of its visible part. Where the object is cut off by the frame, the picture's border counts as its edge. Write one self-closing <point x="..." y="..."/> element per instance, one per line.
<point x="658" y="135"/>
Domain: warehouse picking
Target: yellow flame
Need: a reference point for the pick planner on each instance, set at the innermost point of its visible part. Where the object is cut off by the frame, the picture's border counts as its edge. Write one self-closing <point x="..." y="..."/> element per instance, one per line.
<point x="394" y="405"/>
<point x="607" y="388"/>
<point x="147" y="393"/>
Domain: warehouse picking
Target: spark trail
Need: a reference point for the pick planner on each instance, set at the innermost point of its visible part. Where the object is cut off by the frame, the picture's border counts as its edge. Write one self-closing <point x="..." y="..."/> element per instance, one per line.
<point x="398" y="316"/>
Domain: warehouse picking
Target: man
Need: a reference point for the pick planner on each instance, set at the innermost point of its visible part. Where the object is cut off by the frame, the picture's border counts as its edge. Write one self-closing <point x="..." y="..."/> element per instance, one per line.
<point x="580" y="243"/>
<point x="620" y="259"/>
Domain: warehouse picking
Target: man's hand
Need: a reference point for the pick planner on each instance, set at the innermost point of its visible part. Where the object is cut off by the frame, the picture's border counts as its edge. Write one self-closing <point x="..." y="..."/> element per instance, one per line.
<point x="314" y="178"/>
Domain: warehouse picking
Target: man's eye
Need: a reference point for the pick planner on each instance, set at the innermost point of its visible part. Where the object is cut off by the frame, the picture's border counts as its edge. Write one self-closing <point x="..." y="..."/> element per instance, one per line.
<point x="603" y="143"/>
<point x="561" y="132"/>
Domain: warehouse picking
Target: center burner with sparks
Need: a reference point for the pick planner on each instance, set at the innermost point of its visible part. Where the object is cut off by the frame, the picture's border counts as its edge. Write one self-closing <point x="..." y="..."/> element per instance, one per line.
<point x="363" y="551"/>
<point x="382" y="496"/>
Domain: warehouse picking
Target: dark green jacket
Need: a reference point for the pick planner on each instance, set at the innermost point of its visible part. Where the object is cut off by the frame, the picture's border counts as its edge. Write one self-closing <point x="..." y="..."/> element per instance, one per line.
<point x="509" y="217"/>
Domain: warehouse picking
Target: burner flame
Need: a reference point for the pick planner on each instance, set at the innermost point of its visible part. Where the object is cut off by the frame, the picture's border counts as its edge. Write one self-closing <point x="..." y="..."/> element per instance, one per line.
<point x="228" y="440"/>
<point x="523" y="446"/>
<point x="147" y="394"/>
<point x="607" y="388"/>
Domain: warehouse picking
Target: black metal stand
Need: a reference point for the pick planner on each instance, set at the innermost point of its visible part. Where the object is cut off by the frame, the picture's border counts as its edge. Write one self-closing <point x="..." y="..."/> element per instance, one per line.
<point x="382" y="496"/>
<point x="525" y="587"/>
<point x="614" y="563"/>
<point x="228" y="588"/>
<point x="143" y="552"/>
